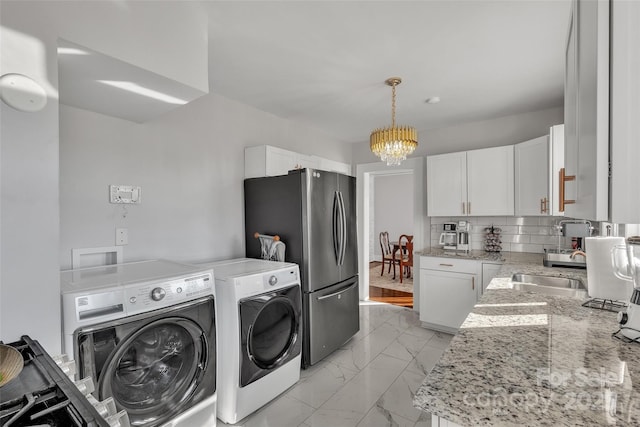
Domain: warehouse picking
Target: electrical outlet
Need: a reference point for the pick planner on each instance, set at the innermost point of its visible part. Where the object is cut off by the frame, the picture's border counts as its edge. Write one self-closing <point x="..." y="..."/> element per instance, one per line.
<point x="122" y="236"/>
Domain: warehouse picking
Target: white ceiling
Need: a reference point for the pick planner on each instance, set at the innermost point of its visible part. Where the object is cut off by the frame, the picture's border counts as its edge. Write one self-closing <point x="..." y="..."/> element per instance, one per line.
<point x="324" y="63"/>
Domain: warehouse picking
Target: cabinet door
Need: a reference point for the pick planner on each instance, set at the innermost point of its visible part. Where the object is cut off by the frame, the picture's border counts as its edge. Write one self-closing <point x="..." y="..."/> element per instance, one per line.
<point x="301" y="161"/>
<point x="532" y="177"/>
<point x="587" y="156"/>
<point x="489" y="271"/>
<point x="279" y="162"/>
<point x="446" y="297"/>
<point x="490" y="181"/>
<point x="625" y="112"/>
<point x="447" y="184"/>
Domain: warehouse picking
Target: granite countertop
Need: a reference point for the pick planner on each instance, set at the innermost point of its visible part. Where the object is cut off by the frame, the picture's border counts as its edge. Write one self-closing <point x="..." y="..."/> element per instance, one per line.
<point x="474" y="254"/>
<point x="524" y="358"/>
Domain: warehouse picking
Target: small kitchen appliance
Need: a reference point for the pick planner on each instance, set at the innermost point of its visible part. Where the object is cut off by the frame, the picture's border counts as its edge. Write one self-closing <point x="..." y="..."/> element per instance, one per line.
<point x="462" y="233"/>
<point x="630" y="319"/>
<point x="606" y="291"/>
<point x="449" y="236"/>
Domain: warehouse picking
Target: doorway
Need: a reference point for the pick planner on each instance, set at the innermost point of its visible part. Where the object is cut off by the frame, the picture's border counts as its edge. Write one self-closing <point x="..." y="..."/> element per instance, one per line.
<point x="366" y="174"/>
<point x="391" y="211"/>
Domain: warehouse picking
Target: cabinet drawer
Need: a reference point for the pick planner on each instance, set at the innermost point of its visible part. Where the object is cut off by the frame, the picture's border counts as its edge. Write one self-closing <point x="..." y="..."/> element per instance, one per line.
<point x="450" y="264"/>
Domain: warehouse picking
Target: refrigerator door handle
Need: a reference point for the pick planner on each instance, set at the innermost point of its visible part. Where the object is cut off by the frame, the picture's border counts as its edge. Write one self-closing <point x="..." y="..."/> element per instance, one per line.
<point x="339" y="292"/>
<point x="336" y="227"/>
<point x="343" y="229"/>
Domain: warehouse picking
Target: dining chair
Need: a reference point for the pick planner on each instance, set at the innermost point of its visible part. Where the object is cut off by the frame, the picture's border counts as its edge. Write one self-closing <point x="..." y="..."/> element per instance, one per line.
<point x="405" y="255"/>
<point x="387" y="255"/>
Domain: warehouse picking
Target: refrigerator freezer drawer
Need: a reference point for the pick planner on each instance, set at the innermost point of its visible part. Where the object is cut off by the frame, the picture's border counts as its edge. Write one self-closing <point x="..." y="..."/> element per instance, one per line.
<point x="333" y="318"/>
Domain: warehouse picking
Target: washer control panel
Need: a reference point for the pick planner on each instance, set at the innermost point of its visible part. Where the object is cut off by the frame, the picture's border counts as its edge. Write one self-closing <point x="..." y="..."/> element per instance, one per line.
<point x="280" y="278"/>
<point x="154" y="295"/>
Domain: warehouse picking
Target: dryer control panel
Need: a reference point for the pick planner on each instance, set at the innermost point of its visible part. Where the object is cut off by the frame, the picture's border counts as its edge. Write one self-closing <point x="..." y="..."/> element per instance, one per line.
<point x="266" y="281"/>
<point x="154" y="295"/>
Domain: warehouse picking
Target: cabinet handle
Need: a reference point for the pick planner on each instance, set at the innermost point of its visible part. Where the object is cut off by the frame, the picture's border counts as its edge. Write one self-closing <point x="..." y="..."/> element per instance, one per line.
<point x="447" y="265"/>
<point x="473" y="283"/>
<point x="468" y="208"/>
<point x="463" y="211"/>
<point x="543" y="205"/>
<point x="564" y="178"/>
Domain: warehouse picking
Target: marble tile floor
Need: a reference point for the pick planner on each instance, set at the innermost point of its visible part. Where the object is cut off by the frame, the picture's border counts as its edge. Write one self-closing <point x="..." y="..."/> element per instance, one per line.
<point x="369" y="382"/>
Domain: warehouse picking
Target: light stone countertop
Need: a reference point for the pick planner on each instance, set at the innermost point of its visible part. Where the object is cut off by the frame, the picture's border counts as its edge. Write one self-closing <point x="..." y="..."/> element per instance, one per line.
<point x="523" y="358"/>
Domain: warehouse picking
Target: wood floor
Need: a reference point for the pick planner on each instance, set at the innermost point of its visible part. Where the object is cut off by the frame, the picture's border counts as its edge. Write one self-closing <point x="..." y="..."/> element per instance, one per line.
<point x="390" y="296"/>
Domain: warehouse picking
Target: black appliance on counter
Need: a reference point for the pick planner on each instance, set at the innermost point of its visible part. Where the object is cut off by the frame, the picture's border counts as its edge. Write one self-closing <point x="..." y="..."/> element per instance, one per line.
<point x="314" y="213"/>
<point x="42" y="395"/>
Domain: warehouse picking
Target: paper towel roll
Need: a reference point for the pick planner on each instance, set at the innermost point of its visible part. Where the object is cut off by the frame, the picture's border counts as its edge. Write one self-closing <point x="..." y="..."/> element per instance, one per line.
<point x="601" y="282"/>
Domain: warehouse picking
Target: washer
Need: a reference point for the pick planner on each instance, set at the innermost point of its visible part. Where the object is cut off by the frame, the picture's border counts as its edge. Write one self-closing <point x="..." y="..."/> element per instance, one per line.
<point x="146" y="332"/>
<point x="259" y="317"/>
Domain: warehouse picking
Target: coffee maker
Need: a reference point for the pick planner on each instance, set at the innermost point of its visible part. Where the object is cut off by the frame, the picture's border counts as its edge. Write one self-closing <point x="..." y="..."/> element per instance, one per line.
<point x="449" y="236"/>
<point x="630" y="319"/>
<point x="462" y="232"/>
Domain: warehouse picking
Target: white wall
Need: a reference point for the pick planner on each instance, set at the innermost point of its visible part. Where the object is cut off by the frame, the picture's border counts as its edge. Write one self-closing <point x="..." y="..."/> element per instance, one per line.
<point x="29" y="280"/>
<point x="190" y="165"/>
<point x="196" y="153"/>
<point x="469" y="136"/>
<point x="393" y="208"/>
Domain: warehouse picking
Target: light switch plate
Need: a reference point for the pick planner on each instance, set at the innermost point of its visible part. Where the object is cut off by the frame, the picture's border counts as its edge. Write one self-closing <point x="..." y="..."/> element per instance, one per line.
<point x="124" y="194"/>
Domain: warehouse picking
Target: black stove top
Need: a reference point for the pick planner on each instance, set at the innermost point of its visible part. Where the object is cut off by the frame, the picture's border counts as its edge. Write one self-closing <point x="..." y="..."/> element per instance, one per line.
<point x="42" y="395"/>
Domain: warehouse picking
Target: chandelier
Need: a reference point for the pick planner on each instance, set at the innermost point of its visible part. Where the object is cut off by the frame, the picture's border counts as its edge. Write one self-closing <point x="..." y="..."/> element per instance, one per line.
<point x="393" y="144"/>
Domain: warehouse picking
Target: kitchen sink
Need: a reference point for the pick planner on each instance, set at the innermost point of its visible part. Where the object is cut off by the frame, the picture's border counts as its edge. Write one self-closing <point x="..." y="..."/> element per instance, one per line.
<point x="555" y="282"/>
<point x="549" y="285"/>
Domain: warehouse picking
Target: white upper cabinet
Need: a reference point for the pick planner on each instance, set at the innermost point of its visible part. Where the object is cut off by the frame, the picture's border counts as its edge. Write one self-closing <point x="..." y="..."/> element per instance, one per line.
<point x="587" y="112"/>
<point x="265" y="160"/>
<point x="602" y="110"/>
<point x="625" y="112"/>
<point x="532" y="177"/>
<point x="332" y="165"/>
<point x="447" y="184"/>
<point x="471" y="183"/>
<point x="490" y="181"/>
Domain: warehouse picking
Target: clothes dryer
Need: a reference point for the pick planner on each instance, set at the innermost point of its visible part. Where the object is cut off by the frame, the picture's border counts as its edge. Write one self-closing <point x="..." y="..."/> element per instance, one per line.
<point x="146" y="332"/>
<point x="260" y="341"/>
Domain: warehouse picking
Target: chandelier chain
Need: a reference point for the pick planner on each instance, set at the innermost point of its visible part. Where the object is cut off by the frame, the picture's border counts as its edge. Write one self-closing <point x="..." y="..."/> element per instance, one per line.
<point x="393" y="104"/>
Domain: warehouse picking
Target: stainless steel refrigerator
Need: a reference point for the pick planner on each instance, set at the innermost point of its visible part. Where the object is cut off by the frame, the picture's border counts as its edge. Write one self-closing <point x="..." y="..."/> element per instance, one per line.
<point x="314" y="213"/>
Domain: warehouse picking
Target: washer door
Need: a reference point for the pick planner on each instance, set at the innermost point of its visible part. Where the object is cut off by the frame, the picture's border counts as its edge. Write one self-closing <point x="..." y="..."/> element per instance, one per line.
<point x="270" y="332"/>
<point x="155" y="370"/>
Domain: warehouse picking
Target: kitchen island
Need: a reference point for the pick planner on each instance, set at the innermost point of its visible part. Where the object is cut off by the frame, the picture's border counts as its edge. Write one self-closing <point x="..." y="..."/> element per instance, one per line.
<point x="525" y="358"/>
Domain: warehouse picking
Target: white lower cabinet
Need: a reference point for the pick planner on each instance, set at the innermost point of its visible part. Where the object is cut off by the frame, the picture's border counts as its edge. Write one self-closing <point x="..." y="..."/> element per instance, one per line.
<point x="441" y="422"/>
<point x="489" y="271"/>
<point x="449" y="288"/>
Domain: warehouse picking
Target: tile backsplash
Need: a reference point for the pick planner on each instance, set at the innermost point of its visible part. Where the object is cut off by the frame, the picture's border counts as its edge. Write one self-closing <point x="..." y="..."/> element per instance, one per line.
<point x="519" y="234"/>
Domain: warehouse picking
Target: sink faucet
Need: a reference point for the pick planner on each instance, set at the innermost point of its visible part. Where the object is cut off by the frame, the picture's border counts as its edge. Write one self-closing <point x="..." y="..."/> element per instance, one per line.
<point x="577" y="252"/>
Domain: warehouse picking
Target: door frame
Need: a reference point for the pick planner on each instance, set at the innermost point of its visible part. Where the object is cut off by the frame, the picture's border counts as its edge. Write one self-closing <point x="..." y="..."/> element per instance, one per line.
<point x="364" y="174"/>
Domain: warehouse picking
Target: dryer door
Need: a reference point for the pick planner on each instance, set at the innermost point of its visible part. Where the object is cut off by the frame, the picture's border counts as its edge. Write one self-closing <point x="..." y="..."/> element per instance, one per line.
<point x="271" y="329"/>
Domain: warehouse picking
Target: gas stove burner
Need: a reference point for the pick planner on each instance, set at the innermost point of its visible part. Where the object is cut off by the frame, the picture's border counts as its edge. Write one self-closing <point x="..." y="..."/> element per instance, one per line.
<point x="620" y="335"/>
<point x="43" y="395"/>
<point x="605" y="304"/>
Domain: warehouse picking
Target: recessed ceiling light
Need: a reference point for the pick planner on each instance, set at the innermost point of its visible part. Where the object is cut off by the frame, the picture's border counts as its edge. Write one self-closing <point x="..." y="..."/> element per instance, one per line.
<point x="433" y="100"/>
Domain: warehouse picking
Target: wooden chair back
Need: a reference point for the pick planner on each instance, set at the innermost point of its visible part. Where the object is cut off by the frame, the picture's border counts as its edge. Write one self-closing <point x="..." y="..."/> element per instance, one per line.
<point x="406" y="244"/>
<point x="385" y="246"/>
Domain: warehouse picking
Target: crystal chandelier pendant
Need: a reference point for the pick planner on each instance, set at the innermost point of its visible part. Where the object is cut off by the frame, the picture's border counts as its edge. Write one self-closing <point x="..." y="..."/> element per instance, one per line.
<point x="393" y="144"/>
